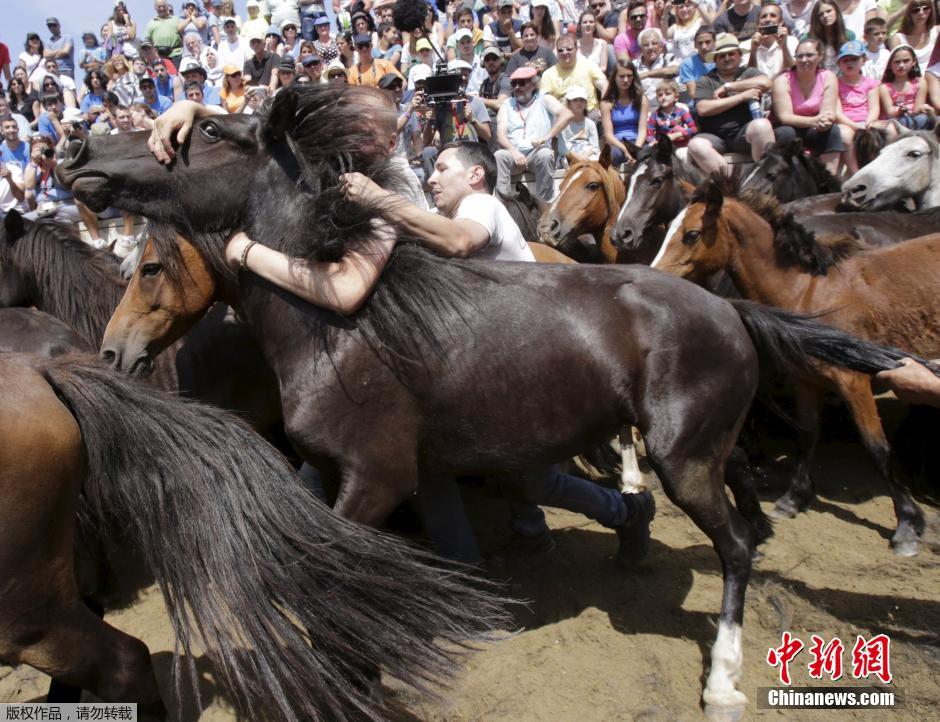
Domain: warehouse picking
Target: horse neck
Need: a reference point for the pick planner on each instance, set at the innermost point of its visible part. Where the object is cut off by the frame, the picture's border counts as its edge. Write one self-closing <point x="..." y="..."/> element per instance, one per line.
<point x="752" y="262"/>
<point x="931" y="197"/>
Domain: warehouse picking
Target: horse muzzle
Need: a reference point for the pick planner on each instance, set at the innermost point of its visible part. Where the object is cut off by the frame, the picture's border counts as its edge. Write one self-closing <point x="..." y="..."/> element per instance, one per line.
<point x="552" y="232"/>
<point x="140" y="367"/>
<point x="856" y="196"/>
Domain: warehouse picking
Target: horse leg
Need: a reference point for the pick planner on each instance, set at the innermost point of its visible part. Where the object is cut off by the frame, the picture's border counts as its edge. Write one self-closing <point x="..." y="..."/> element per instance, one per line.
<point x="855" y="390"/>
<point x="59" y="692"/>
<point x="631" y="481"/>
<point x="740" y="480"/>
<point x="371" y="489"/>
<point x="809" y="400"/>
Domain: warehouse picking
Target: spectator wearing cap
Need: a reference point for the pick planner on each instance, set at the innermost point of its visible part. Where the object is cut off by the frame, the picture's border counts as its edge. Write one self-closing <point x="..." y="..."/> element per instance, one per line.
<point x="61" y="48"/>
<point x="336" y="74"/>
<point x="526" y="125"/>
<point x="152" y="58"/>
<point x="531" y="53"/>
<point x="312" y="69"/>
<point x="192" y="72"/>
<point x="232" y="93"/>
<point x="858" y="99"/>
<point x="193" y="20"/>
<point x="465" y="21"/>
<point x="494" y="88"/>
<point x="232" y="47"/>
<point x="163" y="32"/>
<point x="323" y="42"/>
<point x="368" y="70"/>
<point x="722" y="100"/>
<point x="578" y="141"/>
<point x="148" y="89"/>
<point x="458" y="121"/>
<point x="310" y="12"/>
<point x="505" y="30"/>
<point x="286" y="73"/>
<point x="162" y="79"/>
<point x="418" y="74"/>
<point x="255" y="23"/>
<point x="389" y="47"/>
<point x="466" y="52"/>
<point x="573" y="70"/>
<point x="259" y="67"/>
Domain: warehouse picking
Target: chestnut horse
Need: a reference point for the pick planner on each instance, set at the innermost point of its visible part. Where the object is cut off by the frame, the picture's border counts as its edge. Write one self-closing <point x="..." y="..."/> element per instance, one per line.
<point x="291" y="605"/>
<point x="445" y="369"/>
<point x="588" y="200"/>
<point x="888" y="295"/>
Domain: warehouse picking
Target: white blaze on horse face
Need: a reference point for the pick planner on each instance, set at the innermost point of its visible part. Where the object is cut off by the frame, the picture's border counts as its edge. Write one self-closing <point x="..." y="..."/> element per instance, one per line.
<point x="721" y="687"/>
<point x="640" y="170"/>
<point x="631" y="481"/>
<point x="751" y="175"/>
<point x="552" y="208"/>
<point x="673" y="227"/>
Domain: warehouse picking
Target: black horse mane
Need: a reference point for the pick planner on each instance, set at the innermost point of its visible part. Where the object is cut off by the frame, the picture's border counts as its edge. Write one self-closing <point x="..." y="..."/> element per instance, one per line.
<point x="793" y="243"/>
<point x="79" y="284"/>
<point x="824" y="180"/>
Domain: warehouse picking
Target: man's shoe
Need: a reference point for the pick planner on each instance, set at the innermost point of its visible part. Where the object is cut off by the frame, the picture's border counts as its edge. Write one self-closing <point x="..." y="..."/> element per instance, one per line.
<point x="524" y="548"/>
<point x="634" y="533"/>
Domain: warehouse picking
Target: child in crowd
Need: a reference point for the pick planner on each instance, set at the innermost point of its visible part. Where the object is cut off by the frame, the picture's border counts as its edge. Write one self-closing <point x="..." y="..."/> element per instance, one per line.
<point x="876" y="52"/>
<point x="903" y="94"/>
<point x="670" y="118"/>
<point x="579" y="138"/>
<point x="858" y="104"/>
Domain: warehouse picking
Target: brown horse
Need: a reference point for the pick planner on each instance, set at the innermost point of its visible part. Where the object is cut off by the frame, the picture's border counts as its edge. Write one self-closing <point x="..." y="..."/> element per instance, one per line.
<point x="291" y="605"/>
<point x="589" y="198"/>
<point x="888" y="295"/>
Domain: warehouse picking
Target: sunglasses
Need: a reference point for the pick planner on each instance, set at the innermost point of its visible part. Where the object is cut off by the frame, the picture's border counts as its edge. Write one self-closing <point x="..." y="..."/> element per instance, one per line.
<point x="596" y="6"/>
<point x="920" y="9"/>
<point x="638" y="16"/>
<point x="518" y="83"/>
<point x="363" y="45"/>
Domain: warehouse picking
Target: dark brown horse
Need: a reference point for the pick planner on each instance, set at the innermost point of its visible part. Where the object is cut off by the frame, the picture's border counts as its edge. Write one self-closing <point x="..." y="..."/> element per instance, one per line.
<point x="444" y="370"/>
<point x="888" y="295"/>
<point x="291" y="604"/>
<point x="26" y="330"/>
<point x="788" y="174"/>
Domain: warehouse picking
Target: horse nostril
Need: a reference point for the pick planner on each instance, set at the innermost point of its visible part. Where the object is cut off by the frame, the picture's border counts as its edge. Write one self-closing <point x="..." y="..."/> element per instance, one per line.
<point x="109" y="357"/>
<point x="857" y="189"/>
<point x="554" y="225"/>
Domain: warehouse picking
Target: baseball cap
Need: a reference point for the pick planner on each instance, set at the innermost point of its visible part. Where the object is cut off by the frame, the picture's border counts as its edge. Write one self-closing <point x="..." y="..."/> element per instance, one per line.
<point x="145" y="80"/>
<point x="334" y="68"/>
<point x="287" y="65"/>
<point x="228" y="19"/>
<point x="231" y="69"/>
<point x="252" y="4"/>
<point x="575" y="92"/>
<point x="506" y="3"/>
<point x="852" y="49"/>
<point x="458" y="64"/>
<point x="390" y="79"/>
<point x="131" y="53"/>
<point x="423" y="44"/>
<point x="255" y="35"/>
<point x="540" y="3"/>
<point x="492" y="51"/>
<point x="72" y="115"/>
<point x="524" y="73"/>
<point x="462" y="33"/>
<point x="362" y="39"/>
<point x="311" y="60"/>
<point x="321" y="19"/>
<point x="145" y="44"/>
<point x="52" y="21"/>
<point x="419" y="73"/>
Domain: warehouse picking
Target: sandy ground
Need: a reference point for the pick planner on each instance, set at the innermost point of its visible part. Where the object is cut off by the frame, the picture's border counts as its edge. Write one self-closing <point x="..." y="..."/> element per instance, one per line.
<point x="601" y="644"/>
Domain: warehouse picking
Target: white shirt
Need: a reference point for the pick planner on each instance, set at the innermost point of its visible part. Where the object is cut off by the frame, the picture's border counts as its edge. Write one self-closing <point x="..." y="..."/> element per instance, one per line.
<point x="506" y="242"/>
<point x="855" y="21"/>
<point x="770" y="60"/>
<point x="875" y="63"/>
<point x="7" y="201"/>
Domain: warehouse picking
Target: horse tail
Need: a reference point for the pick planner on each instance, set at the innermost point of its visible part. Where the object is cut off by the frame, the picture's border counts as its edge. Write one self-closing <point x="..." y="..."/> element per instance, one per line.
<point x="790" y="342"/>
<point x="296" y="607"/>
<point x="868" y="144"/>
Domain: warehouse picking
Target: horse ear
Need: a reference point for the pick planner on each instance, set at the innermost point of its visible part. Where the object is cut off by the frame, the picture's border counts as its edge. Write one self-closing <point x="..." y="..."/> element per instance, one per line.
<point x="795" y="149"/>
<point x="13" y="226"/>
<point x="282" y="116"/>
<point x="571" y="158"/>
<point x="605" y="159"/>
<point x="714" y="199"/>
<point x="663" y="148"/>
<point x="902" y="131"/>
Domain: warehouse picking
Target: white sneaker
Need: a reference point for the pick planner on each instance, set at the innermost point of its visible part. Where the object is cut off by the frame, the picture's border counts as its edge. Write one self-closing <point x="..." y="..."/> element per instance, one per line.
<point x="125" y="246"/>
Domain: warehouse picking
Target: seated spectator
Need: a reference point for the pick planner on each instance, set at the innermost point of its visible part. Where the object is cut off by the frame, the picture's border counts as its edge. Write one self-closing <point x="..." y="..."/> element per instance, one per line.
<point x="323" y="44"/>
<point x="544" y="24"/>
<point x="209" y="60"/>
<point x="389" y="47"/>
<point x="654" y="63"/>
<point x="31" y="59"/>
<point x="23" y="98"/>
<point x="13" y="149"/>
<point x="876" y="52"/>
<point x="627" y="44"/>
<point x="162" y="80"/>
<point x="121" y="79"/>
<point x="290" y="40"/>
<point x="23" y="128"/>
<point x="855" y="13"/>
<point x="368" y="70"/>
<point x="12" y="188"/>
<point x="336" y="73"/>
<point x="465" y="51"/>
<point x="95" y="86"/>
<point x="578" y="141"/>
<point x="286" y="74"/>
<point x="858" y="103"/>
<point x="152" y="58"/>
<point x="827" y="26"/>
<point x="142" y="116"/>
<point x="193" y="45"/>
<point x="495" y="88"/>
<point x="347" y="50"/>
<point x="464" y="20"/>
<point x="256" y="95"/>
<point x="457" y="121"/>
<point x="624" y="113"/>
<point x="50" y="121"/>
<point x="571" y="71"/>
<point x="255" y="24"/>
<point x="260" y="66"/>
<point x="606" y="20"/>
<point x="50" y="85"/>
<point x="424" y="67"/>
<point x="681" y="34"/>
<point x="693" y="68"/>
<point x="312" y="70"/>
<point x="919" y="30"/>
<point x="505" y="30"/>
<point x="66" y="84"/>
<point x="526" y="125"/>
<point x="804" y="105"/>
<point x="903" y="93"/>
<point x="192" y="72"/>
<point x="772" y="46"/>
<point x="590" y="45"/>
<point x="310" y="12"/>
<point x="727" y="102"/>
<point x="739" y="19"/>
<point x="92" y="55"/>
<point x="671" y="118"/>
<point x="232" y="93"/>
<point x="531" y="54"/>
<point x="151" y="98"/>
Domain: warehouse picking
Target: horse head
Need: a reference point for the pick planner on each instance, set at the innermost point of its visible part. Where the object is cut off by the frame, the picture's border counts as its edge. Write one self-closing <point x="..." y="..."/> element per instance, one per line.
<point x="693" y="247"/>
<point x="782" y="172"/>
<point x="589" y="196"/>
<point x="908" y="167"/>
<point x="655" y="194"/>
<point x="170" y="291"/>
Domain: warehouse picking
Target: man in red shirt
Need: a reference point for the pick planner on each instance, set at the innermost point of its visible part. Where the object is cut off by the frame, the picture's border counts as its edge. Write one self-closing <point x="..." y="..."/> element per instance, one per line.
<point x="5" y="62"/>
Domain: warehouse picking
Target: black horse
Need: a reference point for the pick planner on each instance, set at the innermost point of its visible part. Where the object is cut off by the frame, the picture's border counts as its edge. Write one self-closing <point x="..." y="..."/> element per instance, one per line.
<point x="459" y="367"/>
<point x="788" y="174"/>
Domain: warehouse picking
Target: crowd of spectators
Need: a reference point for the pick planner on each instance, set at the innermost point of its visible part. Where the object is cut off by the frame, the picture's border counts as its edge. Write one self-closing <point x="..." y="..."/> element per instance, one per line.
<point x="544" y="81"/>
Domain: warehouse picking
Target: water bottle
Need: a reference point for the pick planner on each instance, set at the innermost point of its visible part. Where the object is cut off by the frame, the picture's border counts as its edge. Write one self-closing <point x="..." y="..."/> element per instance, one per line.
<point x="754" y="107"/>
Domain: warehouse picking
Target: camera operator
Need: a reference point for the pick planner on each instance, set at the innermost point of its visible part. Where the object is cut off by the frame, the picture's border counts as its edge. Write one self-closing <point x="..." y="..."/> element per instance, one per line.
<point x="463" y="119"/>
<point x="73" y="128"/>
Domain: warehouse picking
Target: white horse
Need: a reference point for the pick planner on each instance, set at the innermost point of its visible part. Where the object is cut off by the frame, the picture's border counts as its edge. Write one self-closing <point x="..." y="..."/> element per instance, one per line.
<point x="908" y="167"/>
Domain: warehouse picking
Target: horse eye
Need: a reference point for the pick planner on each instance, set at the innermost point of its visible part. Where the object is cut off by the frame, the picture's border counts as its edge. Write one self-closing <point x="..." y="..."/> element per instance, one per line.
<point x="690" y="237"/>
<point x="210" y="131"/>
<point x="914" y="154"/>
<point x="593" y="186"/>
<point x="772" y="176"/>
<point x="656" y="182"/>
<point x="151" y="269"/>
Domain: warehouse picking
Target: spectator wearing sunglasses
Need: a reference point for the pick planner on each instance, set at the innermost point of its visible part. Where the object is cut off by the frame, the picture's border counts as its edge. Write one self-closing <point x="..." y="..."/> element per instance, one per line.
<point x="61" y="48"/>
<point x="627" y="43"/>
<point x="368" y="71"/>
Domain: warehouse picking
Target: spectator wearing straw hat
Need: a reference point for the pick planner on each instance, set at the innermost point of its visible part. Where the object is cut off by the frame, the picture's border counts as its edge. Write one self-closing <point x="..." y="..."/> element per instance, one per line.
<point x="336" y="74"/>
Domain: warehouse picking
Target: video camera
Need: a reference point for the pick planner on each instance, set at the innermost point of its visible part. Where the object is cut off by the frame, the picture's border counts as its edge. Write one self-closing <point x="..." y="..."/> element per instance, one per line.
<point x="443" y="87"/>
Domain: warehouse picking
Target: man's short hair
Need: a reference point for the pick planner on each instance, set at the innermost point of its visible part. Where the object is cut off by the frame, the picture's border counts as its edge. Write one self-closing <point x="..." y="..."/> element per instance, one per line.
<point x="875" y="23"/>
<point x="473" y="153"/>
<point x="189" y="85"/>
<point x="52" y="98"/>
<point x="6" y="118"/>
<point x="704" y="30"/>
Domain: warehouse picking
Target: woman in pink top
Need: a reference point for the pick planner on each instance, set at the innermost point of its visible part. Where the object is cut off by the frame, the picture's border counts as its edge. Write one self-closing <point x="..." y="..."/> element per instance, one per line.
<point x="858" y="98"/>
<point x="804" y="103"/>
<point x="903" y="95"/>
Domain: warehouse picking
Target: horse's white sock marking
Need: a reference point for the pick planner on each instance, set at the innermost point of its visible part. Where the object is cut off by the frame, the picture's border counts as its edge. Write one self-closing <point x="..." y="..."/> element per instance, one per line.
<point x="631" y="481"/>
<point x="673" y="227"/>
<point x="721" y="688"/>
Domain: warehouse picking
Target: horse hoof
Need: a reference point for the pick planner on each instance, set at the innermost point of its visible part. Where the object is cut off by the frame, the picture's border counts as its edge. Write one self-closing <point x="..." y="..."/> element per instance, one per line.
<point x="783" y="511"/>
<point x="908" y="548"/>
<point x="725" y="713"/>
<point x="757" y="556"/>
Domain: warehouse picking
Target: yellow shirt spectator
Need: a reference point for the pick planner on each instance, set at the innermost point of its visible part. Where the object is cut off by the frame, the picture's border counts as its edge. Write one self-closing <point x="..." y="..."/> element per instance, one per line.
<point x="556" y="80"/>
